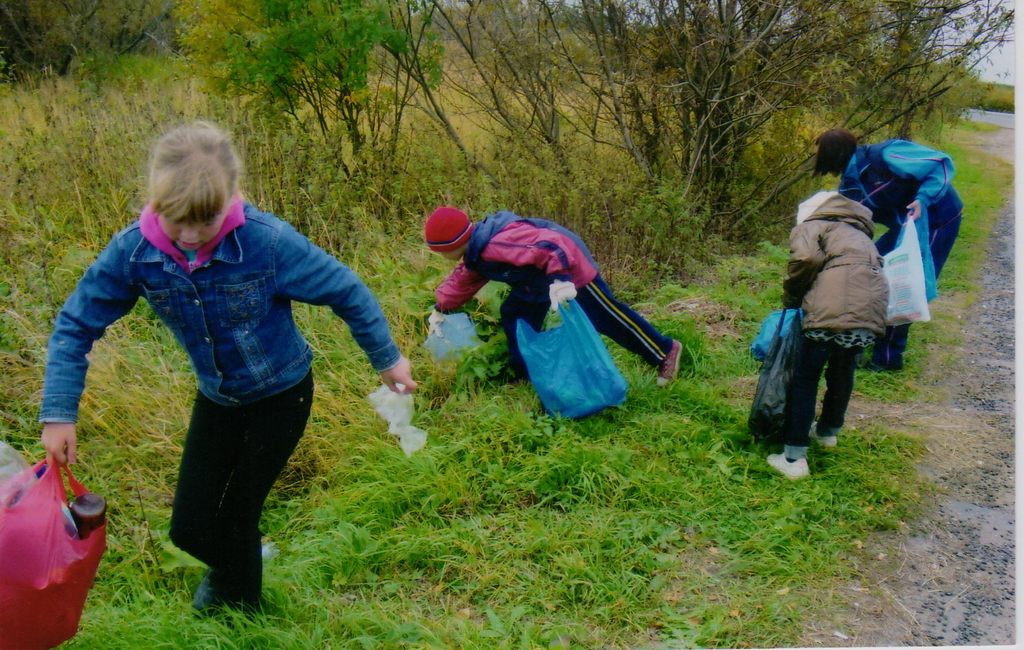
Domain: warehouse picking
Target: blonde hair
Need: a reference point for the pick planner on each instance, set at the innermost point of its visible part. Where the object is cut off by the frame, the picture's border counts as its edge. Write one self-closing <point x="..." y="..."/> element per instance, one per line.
<point x="193" y="173"/>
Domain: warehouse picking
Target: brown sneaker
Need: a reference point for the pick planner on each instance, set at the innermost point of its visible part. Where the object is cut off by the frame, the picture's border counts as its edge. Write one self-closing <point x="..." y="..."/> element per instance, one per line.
<point x="670" y="365"/>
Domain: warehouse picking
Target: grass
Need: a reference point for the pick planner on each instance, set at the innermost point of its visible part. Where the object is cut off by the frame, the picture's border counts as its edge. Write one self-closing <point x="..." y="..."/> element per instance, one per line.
<point x="657" y="522"/>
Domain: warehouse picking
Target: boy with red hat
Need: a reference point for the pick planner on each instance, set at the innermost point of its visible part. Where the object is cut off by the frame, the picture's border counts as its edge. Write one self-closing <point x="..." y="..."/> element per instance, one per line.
<point x="545" y="264"/>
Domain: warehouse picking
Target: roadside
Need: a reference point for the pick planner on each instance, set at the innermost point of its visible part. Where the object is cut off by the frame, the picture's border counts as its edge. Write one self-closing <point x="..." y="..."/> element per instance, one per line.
<point x="948" y="578"/>
<point x="1004" y="120"/>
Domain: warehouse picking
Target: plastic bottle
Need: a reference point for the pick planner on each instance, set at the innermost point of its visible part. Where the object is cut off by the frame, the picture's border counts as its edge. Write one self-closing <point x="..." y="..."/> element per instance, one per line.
<point x="69" y="522"/>
<point x="89" y="512"/>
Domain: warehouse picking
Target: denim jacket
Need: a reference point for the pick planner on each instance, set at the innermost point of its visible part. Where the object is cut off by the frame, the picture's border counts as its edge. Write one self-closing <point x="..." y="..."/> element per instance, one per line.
<point x="233" y="315"/>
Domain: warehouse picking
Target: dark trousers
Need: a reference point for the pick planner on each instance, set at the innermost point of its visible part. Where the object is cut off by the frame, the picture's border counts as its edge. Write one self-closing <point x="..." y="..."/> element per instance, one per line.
<point x="803" y="389"/>
<point x="943" y="228"/>
<point x="610" y="317"/>
<point x="232" y="456"/>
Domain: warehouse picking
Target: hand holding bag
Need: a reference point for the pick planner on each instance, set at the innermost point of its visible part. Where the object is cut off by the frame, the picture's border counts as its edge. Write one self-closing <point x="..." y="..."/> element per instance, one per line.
<point x="46" y="570"/>
<point x="569" y="365"/>
<point x="455" y="335"/>
<point x="770" y="330"/>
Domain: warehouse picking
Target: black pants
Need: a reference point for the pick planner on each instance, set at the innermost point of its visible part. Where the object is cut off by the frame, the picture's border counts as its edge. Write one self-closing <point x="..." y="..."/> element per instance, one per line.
<point x="803" y="389"/>
<point x="232" y="456"/>
<point x="610" y="317"/>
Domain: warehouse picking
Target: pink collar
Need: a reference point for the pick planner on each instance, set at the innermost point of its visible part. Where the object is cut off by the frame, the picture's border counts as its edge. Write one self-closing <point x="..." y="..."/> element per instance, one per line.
<point x="149" y="222"/>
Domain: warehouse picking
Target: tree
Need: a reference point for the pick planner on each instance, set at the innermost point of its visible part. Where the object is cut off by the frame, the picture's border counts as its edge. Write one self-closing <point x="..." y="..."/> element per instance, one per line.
<point x="924" y="49"/>
<point x="304" y="58"/>
<point x="512" y="73"/>
<point x="913" y="53"/>
<point x="41" y="35"/>
<point x="690" y="87"/>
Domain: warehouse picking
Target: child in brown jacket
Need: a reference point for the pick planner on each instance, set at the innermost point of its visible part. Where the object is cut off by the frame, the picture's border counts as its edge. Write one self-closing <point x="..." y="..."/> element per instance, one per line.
<point x="835" y="275"/>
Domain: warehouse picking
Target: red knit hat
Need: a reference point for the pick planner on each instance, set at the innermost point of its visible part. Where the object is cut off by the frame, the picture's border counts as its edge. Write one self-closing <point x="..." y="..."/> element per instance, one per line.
<point x="447" y="228"/>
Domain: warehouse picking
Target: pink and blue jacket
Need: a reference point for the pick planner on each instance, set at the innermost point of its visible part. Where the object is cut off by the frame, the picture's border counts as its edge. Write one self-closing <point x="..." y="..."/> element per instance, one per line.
<point x="528" y="254"/>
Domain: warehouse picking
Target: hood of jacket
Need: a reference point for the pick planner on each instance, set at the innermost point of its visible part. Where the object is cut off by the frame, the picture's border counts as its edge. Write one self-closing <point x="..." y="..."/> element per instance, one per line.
<point x="836" y="207"/>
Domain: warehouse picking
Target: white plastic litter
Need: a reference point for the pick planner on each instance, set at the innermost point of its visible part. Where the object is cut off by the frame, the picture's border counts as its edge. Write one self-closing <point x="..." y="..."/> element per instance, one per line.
<point x="269" y="551"/>
<point x="904" y="272"/>
<point x="396" y="408"/>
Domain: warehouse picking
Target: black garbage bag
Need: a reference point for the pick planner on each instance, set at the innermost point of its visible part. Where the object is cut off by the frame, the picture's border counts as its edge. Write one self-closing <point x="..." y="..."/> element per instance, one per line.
<point x="768" y="413"/>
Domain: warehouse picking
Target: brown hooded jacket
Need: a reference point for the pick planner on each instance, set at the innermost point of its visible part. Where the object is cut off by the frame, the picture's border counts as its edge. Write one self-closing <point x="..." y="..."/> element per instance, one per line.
<point x="835" y="272"/>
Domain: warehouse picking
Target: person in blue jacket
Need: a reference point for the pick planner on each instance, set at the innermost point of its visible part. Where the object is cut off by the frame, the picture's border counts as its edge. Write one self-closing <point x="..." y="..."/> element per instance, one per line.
<point x="897" y="180"/>
<point x="223" y="276"/>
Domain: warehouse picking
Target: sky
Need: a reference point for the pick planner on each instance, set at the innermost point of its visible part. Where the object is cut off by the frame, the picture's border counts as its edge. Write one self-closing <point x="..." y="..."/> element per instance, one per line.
<point x="1000" y="66"/>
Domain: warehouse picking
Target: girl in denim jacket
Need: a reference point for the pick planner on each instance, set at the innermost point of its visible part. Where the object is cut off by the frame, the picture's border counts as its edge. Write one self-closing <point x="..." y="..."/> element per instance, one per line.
<point x="222" y="275"/>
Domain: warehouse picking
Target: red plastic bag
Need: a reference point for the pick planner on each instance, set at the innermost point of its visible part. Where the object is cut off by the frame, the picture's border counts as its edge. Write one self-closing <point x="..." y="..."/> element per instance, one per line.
<point x="45" y="569"/>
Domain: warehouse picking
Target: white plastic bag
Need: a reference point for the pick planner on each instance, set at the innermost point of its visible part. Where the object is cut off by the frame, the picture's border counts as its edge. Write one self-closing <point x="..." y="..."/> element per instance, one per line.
<point x="396" y="408"/>
<point x="904" y="272"/>
<point x="269" y="550"/>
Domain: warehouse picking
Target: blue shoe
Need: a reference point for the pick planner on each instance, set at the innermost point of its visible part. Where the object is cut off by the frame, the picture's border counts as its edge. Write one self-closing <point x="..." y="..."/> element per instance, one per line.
<point x="207" y="596"/>
<point x="871" y="366"/>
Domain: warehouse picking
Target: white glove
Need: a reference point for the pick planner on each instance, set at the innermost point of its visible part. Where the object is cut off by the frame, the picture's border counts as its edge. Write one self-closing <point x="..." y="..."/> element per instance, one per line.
<point x="434" y="323"/>
<point x="560" y="291"/>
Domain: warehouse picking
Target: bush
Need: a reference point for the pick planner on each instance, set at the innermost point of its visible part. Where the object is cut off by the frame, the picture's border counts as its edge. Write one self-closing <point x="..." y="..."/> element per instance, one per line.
<point x="43" y="36"/>
<point x="997" y="97"/>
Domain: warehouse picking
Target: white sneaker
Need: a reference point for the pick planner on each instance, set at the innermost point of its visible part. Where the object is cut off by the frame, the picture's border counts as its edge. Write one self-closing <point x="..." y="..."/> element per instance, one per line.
<point x="797" y="469"/>
<point x="824" y="441"/>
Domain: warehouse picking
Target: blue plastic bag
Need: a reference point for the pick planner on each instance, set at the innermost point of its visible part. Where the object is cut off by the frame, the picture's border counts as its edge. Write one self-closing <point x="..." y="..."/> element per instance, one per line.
<point x="457" y="335"/>
<point x="924" y="242"/>
<point x="569" y="365"/>
<point x="763" y="340"/>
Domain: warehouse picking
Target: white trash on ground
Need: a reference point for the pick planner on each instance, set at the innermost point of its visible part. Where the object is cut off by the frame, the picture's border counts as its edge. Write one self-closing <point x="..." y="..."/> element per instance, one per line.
<point x="396" y="408"/>
<point x="269" y="550"/>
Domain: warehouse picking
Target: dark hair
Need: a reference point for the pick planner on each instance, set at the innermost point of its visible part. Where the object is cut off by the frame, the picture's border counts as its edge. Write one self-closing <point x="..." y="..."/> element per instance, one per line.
<point x="835" y="148"/>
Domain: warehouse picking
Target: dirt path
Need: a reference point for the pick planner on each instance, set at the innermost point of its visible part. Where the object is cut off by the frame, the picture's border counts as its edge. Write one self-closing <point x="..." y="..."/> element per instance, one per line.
<point x="949" y="577"/>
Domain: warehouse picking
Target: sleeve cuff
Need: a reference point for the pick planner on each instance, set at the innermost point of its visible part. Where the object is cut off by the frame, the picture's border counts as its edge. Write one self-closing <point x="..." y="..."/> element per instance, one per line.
<point x="385" y="358"/>
<point x="58" y="417"/>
